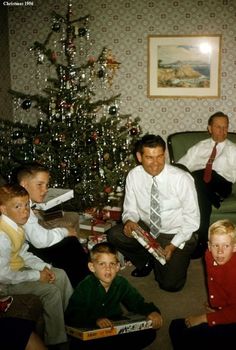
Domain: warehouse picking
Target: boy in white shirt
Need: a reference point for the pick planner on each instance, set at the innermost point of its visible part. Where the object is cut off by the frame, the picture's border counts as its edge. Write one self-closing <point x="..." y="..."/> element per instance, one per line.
<point x="21" y="272"/>
<point x="56" y="241"/>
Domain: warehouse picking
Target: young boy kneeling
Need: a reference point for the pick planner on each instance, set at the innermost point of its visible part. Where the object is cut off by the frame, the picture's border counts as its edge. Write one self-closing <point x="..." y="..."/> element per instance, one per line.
<point x="216" y="327"/>
<point x="97" y="300"/>
<point x="23" y="273"/>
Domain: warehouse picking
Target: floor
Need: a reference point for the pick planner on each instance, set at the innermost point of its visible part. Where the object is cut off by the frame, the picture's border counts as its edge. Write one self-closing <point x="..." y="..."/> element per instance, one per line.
<point x="172" y="305"/>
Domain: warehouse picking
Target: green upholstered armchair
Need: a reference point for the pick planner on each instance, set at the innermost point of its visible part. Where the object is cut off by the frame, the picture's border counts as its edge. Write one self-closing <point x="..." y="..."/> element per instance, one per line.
<point x="178" y="144"/>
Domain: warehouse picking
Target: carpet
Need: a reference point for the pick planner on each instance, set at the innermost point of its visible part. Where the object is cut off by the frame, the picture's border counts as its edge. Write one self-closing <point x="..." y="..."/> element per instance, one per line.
<point x="189" y="301"/>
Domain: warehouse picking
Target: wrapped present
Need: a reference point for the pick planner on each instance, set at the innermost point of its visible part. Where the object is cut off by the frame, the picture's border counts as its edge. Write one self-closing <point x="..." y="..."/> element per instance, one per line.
<point x="94" y="239"/>
<point x="149" y="243"/>
<point x="95" y="225"/>
<point x="133" y="323"/>
<point x="54" y="197"/>
<point x="113" y="213"/>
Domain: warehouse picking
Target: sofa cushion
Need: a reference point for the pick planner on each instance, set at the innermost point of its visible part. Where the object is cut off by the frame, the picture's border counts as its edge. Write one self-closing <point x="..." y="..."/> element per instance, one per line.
<point x="178" y="144"/>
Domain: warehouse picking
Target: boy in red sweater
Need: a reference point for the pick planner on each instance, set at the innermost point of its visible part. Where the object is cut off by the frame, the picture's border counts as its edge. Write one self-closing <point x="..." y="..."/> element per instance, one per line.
<point x="215" y="328"/>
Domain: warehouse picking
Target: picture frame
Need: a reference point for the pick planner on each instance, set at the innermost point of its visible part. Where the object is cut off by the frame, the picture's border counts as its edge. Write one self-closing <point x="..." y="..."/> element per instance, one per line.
<point x="184" y="66"/>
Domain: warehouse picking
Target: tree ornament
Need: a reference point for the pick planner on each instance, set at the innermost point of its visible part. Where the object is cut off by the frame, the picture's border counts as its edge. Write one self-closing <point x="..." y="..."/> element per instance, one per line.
<point x="106" y="156"/>
<point x="26" y="104"/>
<point x="53" y="57"/>
<point x="128" y="123"/>
<point x="62" y="137"/>
<point x="119" y="189"/>
<point x="133" y="131"/>
<point x="94" y="167"/>
<point x="82" y="31"/>
<point x="89" y="141"/>
<point x="95" y="135"/>
<point x="112" y="110"/>
<point x="17" y="134"/>
<point x="63" y="165"/>
<point x="56" y="27"/>
<point x="108" y="189"/>
<point x="101" y="73"/>
<point x="37" y="141"/>
<point x="120" y="182"/>
<point x="40" y="58"/>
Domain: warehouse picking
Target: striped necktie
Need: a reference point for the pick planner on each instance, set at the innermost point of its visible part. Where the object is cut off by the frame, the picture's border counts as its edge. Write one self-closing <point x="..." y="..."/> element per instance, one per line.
<point x="155" y="217"/>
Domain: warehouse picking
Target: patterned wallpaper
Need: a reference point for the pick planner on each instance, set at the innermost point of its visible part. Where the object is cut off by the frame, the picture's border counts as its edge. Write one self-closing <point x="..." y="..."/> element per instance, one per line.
<point x="5" y="78"/>
<point x="124" y="26"/>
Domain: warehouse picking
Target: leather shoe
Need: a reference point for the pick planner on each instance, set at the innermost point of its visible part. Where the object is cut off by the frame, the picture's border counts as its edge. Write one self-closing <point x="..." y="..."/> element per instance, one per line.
<point x="144" y="271"/>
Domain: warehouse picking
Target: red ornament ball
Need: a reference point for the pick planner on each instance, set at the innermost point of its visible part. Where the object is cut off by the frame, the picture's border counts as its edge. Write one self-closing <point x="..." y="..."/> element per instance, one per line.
<point x="108" y="189"/>
<point x="37" y="141"/>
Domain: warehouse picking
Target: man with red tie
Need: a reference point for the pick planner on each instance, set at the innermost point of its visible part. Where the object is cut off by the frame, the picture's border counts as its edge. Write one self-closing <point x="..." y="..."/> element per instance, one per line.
<point x="212" y="163"/>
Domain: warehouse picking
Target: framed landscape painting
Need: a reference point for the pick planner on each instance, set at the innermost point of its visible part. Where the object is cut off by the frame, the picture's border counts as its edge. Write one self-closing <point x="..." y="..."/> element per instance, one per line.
<point x="184" y="66"/>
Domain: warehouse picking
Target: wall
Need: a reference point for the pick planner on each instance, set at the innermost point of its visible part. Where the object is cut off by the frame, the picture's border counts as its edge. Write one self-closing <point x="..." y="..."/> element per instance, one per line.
<point x="5" y="77"/>
<point x="123" y="26"/>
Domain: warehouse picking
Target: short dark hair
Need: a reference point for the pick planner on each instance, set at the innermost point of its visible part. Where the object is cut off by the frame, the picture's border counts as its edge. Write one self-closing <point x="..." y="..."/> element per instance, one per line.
<point x="215" y="115"/>
<point x="27" y="170"/>
<point x="103" y="247"/>
<point x="9" y="191"/>
<point x="151" y="141"/>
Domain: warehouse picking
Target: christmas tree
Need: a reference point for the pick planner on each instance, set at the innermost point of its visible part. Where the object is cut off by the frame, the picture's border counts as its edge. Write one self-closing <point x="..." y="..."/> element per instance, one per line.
<point x="81" y="136"/>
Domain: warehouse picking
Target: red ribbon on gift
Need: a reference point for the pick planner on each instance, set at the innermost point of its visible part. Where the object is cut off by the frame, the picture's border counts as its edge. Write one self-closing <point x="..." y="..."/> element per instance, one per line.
<point x="94" y="222"/>
<point x="151" y="241"/>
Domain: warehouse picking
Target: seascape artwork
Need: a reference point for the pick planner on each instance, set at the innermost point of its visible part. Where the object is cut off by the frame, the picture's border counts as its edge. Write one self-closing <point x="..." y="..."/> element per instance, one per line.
<point x="183" y="66"/>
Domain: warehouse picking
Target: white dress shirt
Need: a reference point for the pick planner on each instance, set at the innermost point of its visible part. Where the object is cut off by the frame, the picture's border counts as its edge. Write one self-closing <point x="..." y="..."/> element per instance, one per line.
<point x="33" y="264"/>
<point x="41" y="237"/>
<point x="224" y="163"/>
<point x="178" y="201"/>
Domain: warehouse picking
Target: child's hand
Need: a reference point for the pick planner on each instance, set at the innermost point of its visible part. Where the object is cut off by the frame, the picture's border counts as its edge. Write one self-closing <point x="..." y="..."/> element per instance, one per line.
<point x="156" y="318"/>
<point x="208" y="308"/>
<point x="192" y="321"/>
<point x="104" y="323"/>
<point x="47" y="275"/>
<point x="44" y="276"/>
<point x="51" y="274"/>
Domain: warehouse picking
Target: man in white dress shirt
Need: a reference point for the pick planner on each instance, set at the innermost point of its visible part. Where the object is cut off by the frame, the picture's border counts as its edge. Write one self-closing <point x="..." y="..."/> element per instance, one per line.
<point x="178" y="210"/>
<point x="223" y="171"/>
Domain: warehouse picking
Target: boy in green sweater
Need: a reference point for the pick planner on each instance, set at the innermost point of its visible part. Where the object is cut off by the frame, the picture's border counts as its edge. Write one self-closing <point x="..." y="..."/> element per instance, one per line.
<point x="97" y="300"/>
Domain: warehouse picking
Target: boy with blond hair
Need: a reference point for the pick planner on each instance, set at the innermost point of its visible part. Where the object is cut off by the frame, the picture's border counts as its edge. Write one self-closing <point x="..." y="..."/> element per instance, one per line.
<point x="97" y="301"/>
<point x="215" y="328"/>
<point x="21" y="272"/>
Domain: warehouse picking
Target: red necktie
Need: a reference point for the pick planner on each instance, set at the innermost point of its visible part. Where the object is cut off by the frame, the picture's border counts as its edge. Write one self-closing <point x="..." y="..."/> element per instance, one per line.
<point x="208" y="168"/>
